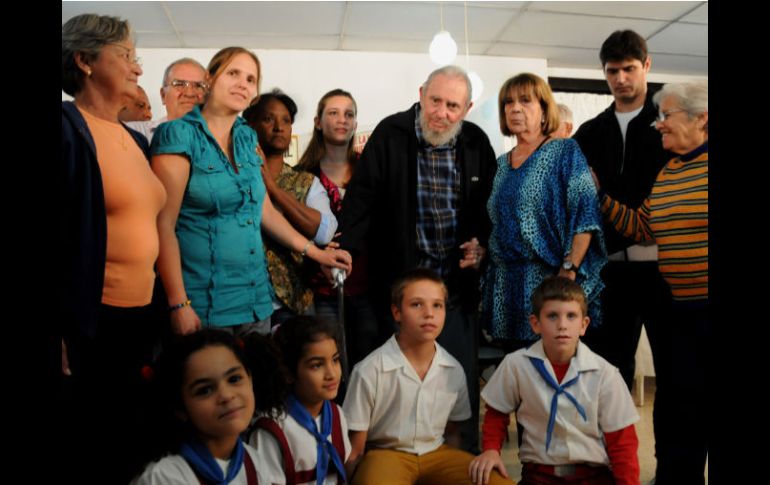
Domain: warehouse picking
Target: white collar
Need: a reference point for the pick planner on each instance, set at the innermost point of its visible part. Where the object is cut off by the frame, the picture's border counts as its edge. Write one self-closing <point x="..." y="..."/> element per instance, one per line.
<point x="393" y="358"/>
<point x="584" y="359"/>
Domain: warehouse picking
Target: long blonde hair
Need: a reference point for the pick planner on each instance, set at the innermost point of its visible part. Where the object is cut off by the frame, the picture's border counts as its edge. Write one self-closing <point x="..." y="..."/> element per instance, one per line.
<point x="316" y="149"/>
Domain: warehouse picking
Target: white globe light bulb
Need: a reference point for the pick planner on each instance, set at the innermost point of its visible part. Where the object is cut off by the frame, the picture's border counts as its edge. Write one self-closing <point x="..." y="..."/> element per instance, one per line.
<point x="443" y="48"/>
<point x="477" y="85"/>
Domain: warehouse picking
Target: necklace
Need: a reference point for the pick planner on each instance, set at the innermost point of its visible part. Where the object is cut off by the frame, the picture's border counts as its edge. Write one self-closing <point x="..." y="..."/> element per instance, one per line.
<point x="123" y="138"/>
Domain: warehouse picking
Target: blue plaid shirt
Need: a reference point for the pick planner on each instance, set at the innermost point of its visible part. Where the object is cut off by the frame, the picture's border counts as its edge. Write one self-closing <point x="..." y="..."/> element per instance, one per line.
<point x="438" y="192"/>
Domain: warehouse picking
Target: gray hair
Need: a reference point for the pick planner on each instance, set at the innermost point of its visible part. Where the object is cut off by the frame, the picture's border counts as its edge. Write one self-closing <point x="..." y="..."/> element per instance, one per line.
<point x="693" y="97"/>
<point x="86" y="34"/>
<point x="565" y="114"/>
<point x="451" y="71"/>
<point x="178" y="62"/>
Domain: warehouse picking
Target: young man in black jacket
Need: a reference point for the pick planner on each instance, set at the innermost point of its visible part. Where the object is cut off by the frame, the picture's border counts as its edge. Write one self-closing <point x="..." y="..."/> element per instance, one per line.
<point x="418" y="199"/>
<point x="625" y="151"/>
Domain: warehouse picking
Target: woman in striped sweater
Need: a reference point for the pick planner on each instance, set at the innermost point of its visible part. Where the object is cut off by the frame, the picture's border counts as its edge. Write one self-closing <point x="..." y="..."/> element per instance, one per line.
<point x="675" y="215"/>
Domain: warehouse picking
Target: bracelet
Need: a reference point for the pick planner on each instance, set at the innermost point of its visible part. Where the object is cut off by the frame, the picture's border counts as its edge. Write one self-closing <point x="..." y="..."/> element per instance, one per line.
<point x="307" y="246"/>
<point x="179" y="305"/>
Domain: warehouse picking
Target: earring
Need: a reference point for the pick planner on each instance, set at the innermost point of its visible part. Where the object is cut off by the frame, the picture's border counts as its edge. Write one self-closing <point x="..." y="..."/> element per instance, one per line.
<point x="88" y="73"/>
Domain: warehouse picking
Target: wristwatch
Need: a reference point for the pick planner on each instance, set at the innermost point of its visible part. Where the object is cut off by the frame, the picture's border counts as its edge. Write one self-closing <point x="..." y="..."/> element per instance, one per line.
<point x="568" y="265"/>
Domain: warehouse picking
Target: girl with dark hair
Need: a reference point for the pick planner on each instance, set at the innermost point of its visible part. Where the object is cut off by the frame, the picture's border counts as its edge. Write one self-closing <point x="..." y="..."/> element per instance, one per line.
<point x="205" y="385"/>
<point x="310" y="443"/>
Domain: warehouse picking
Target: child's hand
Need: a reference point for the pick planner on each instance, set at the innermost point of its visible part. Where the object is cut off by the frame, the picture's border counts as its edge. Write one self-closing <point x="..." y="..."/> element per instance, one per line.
<point x="481" y="467"/>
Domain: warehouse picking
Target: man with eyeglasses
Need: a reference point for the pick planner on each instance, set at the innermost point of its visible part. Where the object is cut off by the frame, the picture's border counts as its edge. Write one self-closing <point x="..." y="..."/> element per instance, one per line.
<point x="626" y="154"/>
<point x="184" y="86"/>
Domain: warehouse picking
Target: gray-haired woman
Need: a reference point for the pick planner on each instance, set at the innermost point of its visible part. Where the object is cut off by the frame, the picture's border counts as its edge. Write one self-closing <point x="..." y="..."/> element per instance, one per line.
<point x="675" y="216"/>
<point x="107" y="205"/>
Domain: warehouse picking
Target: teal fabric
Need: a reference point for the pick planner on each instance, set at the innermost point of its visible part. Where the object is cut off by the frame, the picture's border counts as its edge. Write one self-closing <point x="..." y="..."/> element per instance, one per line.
<point x="223" y="262"/>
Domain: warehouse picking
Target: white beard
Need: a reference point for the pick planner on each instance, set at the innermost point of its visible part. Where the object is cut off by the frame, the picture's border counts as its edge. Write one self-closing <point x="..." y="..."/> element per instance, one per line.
<point x="436" y="138"/>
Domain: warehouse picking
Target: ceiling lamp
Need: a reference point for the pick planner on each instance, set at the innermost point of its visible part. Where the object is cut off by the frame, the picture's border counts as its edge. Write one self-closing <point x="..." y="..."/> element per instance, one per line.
<point x="477" y="85"/>
<point x="443" y="48"/>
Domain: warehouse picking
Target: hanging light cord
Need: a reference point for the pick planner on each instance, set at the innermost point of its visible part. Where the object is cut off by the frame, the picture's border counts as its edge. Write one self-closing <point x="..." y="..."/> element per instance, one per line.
<point x="467" y="50"/>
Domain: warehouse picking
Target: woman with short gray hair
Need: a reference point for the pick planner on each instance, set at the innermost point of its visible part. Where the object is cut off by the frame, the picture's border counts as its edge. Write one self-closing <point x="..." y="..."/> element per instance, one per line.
<point x="107" y="203"/>
<point x="675" y="216"/>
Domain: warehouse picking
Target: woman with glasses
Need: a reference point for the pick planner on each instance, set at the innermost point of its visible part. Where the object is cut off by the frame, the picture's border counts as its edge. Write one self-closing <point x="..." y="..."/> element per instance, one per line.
<point x="675" y="216"/>
<point x="108" y="203"/>
<point x="212" y="261"/>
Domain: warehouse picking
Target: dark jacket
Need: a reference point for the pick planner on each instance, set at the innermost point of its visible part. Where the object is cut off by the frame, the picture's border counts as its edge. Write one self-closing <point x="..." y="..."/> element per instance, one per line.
<point x="626" y="175"/>
<point x="380" y="207"/>
<point x="81" y="238"/>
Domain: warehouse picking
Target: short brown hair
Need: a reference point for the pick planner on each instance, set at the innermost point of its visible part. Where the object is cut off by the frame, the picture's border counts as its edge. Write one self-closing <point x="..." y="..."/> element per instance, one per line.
<point x="413" y="276"/>
<point x="622" y="45"/>
<point x="561" y="289"/>
<point x="541" y="90"/>
<point x="86" y="34"/>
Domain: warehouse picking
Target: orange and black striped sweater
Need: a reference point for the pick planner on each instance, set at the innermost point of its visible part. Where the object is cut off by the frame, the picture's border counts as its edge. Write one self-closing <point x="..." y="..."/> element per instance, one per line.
<point x="675" y="215"/>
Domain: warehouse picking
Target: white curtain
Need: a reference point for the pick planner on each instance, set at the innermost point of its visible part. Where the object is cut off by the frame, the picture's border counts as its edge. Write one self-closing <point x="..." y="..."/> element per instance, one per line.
<point x="584" y="106"/>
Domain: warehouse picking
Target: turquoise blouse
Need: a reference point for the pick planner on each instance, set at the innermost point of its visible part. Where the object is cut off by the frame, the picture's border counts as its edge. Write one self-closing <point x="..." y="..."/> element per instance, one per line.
<point x="218" y="229"/>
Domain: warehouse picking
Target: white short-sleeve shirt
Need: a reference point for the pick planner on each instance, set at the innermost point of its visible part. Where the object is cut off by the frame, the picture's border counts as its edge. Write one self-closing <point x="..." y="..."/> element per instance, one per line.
<point x="303" y="449"/>
<point x="386" y="398"/>
<point x="174" y="470"/>
<point x="517" y="386"/>
<point x="146" y="128"/>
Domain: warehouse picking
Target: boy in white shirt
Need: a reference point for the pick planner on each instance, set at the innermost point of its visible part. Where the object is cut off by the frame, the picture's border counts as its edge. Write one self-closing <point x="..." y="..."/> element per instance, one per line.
<point x="404" y="397"/>
<point x="574" y="408"/>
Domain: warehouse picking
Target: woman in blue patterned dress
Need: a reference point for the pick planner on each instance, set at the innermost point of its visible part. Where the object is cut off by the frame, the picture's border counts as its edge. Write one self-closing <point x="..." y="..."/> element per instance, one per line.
<point x="211" y="260"/>
<point x="544" y="211"/>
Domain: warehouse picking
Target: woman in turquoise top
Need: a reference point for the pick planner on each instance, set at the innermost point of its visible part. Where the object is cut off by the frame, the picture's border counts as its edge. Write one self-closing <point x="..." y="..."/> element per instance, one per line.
<point x="211" y="259"/>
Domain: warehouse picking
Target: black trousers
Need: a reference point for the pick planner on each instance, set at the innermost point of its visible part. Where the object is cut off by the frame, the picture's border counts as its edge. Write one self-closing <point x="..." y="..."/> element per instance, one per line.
<point x="104" y="404"/>
<point x="634" y="294"/>
<point x="682" y="404"/>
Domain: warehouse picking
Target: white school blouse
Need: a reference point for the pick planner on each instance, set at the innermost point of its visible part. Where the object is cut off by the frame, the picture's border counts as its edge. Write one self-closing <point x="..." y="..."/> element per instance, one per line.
<point x="386" y="397"/>
<point x="174" y="470"/>
<point x="517" y="386"/>
<point x="303" y="449"/>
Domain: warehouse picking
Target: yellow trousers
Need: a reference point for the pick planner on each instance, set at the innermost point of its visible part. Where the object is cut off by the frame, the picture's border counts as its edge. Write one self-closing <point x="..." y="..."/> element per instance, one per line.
<point x="445" y="466"/>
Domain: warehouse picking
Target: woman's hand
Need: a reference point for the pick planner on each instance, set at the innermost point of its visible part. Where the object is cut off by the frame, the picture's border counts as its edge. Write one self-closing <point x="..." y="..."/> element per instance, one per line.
<point x="481" y="467"/>
<point x="473" y="254"/>
<point x="184" y="320"/>
<point x="567" y="274"/>
<point x="261" y="154"/>
<point x="332" y="258"/>
<point x="270" y="184"/>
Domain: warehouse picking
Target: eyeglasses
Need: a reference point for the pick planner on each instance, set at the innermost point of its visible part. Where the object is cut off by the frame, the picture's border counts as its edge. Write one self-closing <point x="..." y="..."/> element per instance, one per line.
<point x="131" y="59"/>
<point x="663" y="115"/>
<point x="197" y="86"/>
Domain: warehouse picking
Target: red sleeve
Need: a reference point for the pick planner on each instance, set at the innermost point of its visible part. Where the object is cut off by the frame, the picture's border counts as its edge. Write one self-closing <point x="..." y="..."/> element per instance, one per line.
<point x="495" y="429"/>
<point x="622" y="446"/>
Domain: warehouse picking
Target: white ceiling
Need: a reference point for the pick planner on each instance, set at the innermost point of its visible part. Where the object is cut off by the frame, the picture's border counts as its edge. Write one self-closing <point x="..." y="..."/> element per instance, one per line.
<point x="567" y="34"/>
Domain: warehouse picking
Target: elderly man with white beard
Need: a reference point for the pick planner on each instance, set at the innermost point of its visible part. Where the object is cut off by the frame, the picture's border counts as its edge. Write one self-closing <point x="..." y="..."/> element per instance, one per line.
<point x="418" y="199"/>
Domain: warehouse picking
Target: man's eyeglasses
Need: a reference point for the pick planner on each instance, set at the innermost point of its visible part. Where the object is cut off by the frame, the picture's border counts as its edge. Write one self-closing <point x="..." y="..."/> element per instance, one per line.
<point x="197" y="86"/>
<point x="131" y="59"/>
